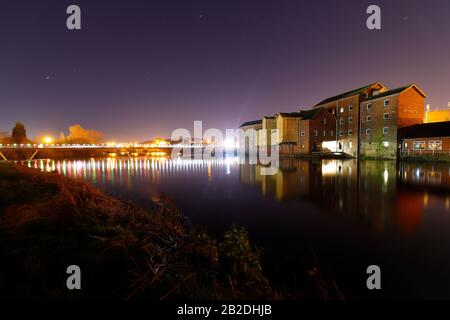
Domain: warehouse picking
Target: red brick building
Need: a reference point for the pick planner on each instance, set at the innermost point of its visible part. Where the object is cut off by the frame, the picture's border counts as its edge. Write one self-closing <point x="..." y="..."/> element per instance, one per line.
<point x="381" y="116"/>
<point x="316" y="127"/>
<point x="346" y="108"/>
<point x="425" y="139"/>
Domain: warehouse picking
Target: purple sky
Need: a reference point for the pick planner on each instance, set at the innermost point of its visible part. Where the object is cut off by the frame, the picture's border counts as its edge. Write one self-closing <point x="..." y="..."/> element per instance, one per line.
<point x="139" y="69"/>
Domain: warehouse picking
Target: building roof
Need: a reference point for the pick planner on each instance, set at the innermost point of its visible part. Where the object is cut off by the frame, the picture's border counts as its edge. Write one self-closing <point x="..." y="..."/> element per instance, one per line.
<point x="267" y="117"/>
<point x="425" y="130"/>
<point x="310" y="114"/>
<point x="290" y="114"/>
<point x="347" y="94"/>
<point x="395" y="91"/>
<point x="251" y="123"/>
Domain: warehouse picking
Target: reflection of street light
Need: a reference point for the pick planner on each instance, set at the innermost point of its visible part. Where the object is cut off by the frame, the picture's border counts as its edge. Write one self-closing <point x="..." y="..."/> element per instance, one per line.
<point x="48" y="140"/>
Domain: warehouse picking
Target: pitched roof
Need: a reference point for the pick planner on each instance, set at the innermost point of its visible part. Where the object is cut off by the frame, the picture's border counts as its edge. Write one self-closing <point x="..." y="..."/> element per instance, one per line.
<point x="310" y="114"/>
<point x="395" y="91"/>
<point x="425" y="130"/>
<point x="347" y="94"/>
<point x="251" y="123"/>
<point x="290" y="114"/>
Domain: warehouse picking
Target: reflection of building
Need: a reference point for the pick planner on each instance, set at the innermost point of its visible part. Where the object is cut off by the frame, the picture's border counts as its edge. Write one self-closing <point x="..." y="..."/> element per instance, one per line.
<point x="362" y="191"/>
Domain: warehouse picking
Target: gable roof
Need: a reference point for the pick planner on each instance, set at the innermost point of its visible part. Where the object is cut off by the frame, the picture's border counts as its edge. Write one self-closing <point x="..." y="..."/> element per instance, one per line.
<point x="425" y="130"/>
<point x="251" y="123"/>
<point x="347" y="94"/>
<point x="396" y="91"/>
<point x="310" y="114"/>
<point x="290" y="114"/>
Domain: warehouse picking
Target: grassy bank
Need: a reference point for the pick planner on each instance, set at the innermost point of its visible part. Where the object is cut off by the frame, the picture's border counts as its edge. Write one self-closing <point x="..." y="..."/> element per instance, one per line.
<point x="48" y="222"/>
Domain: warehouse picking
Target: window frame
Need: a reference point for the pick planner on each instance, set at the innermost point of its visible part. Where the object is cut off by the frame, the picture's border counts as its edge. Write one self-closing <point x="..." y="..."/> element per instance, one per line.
<point x="415" y="142"/>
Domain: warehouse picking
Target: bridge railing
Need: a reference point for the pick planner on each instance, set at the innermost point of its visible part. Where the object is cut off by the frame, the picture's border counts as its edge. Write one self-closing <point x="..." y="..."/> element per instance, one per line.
<point x="101" y="145"/>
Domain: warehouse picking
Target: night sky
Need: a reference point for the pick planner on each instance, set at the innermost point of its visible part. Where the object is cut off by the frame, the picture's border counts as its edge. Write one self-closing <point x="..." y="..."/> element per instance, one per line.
<point x="139" y="69"/>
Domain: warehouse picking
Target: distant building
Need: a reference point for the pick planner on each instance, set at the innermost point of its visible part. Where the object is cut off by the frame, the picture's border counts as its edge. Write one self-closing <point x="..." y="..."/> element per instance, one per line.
<point x="439" y="115"/>
<point x="288" y="126"/>
<point x="362" y="122"/>
<point x="423" y="139"/>
<point x="249" y="128"/>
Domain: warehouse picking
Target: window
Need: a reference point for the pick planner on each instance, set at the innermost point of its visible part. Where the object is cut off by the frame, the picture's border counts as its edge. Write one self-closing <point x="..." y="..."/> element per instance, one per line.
<point x="386" y="116"/>
<point x="341" y="133"/>
<point x="324" y="133"/>
<point x="302" y="133"/>
<point x="350" y="119"/>
<point x="386" y="103"/>
<point x="350" y="132"/>
<point x="419" y="145"/>
<point x="435" y="145"/>
<point x="342" y="109"/>
<point x="385" y="130"/>
<point x="369" y="118"/>
<point x="350" y="108"/>
<point x="367" y="132"/>
<point x="369" y="106"/>
<point x="331" y="133"/>
<point x="341" y="121"/>
<point x="316" y="133"/>
<point x="350" y="145"/>
<point x="324" y="121"/>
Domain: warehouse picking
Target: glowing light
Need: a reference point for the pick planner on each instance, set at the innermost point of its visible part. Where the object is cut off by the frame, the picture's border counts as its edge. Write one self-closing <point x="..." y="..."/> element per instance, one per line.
<point x="229" y="143"/>
<point x="329" y="169"/>
<point x="47" y="140"/>
<point x="157" y="154"/>
<point x="385" y="176"/>
<point x="330" y="145"/>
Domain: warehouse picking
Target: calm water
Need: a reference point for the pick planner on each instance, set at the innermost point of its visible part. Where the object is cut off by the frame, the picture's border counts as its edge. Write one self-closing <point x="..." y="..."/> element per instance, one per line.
<point x="352" y="215"/>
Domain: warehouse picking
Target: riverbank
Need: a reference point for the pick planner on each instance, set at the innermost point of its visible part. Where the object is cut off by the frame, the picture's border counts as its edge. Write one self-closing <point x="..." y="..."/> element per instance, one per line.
<point x="48" y="222"/>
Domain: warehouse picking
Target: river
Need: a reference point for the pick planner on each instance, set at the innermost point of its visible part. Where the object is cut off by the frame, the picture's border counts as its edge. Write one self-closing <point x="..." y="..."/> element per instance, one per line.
<point x="350" y="214"/>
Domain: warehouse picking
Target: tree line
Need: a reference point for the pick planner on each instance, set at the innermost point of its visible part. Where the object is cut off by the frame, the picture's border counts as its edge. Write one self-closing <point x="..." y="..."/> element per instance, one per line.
<point x="77" y="135"/>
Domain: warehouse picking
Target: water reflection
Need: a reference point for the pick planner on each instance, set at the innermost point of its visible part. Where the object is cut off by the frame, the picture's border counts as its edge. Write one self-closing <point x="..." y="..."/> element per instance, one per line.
<point x="353" y="214"/>
<point x="381" y="194"/>
<point x="117" y="171"/>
